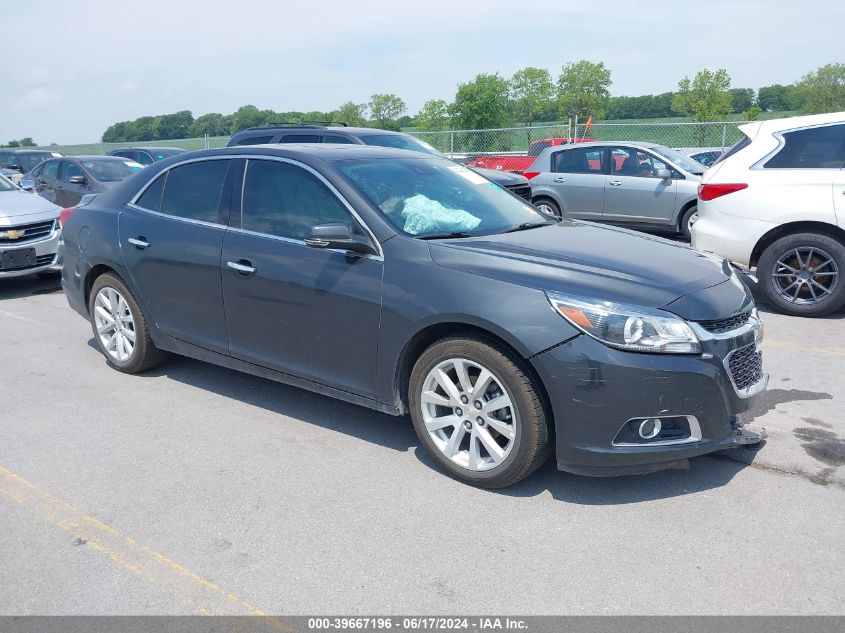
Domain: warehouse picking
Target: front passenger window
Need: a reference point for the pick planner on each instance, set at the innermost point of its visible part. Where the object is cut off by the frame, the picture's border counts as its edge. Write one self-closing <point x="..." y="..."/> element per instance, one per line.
<point x="284" y="200"/>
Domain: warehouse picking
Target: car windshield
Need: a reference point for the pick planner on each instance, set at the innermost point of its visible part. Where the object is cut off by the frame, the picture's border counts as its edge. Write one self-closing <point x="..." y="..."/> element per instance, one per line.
<point x="685" y="163"/>
<point x="30" y="161"/>
<point x="400" y="141"/>
<point x="160" y="154"/>
<point x="436" y="197"/>
<point x="6" y="185"/>
<point x="111" y="170"/>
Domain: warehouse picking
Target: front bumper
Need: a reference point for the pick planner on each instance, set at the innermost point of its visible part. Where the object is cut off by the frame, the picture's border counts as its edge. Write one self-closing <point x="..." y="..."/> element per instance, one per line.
<point x="46" y="253"/>
<point x="595" y="390"/>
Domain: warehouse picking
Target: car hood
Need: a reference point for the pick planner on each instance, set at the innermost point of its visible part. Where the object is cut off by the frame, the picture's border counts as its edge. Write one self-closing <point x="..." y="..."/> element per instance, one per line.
<point x="504" y="178"/>
<point x="19" y="203"/>
<point x="608" y="263"/>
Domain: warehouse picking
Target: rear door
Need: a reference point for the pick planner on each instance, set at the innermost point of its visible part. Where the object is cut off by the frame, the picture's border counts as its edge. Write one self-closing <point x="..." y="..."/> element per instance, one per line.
<point x="308" y="312"/>
<point x="171" y="238"/>
<point x="577" y="179"/>
<point x="633" y="193"/>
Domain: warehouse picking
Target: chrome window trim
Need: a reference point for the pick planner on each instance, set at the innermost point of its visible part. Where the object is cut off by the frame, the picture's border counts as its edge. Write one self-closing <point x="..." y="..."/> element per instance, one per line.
<point x="782" y="143"/>
<point x="281" y="159"/>
<point x="176" y="217"/>
<point x="692" y="421"/>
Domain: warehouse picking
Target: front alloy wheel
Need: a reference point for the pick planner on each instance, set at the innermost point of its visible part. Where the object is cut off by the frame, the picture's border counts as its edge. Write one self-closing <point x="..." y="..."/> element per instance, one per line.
<point x="478" y="411"/>
<point x="469" y="416"/>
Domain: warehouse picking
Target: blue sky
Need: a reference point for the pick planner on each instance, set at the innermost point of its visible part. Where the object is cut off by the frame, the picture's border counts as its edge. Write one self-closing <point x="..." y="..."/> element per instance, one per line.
<point x="71" y="69"/>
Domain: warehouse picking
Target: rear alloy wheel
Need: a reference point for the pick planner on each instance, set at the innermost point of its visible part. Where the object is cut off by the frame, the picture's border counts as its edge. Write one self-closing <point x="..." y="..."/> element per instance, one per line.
<point x="549" y="207"/>
<point x="120" y="328"/>
<point x="802" y="274"/>
<point x="478" y="413"/>
<point x="687" y="220"/>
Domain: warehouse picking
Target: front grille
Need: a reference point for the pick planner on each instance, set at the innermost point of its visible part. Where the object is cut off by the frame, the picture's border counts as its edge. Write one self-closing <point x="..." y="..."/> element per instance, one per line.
<point x="717" y="326"/>
<point x="31" y="232"/>
<point x="746" y="366"/>
<point x="523" y="191"/>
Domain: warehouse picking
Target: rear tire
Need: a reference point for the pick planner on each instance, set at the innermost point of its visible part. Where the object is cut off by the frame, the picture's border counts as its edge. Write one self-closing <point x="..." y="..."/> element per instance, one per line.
<point x="120" y="327"/>
<point x="802" y="274"/>
<point x="548" y="207"/>
<point x="484" y="424"/>
<point x="685" y="222"/>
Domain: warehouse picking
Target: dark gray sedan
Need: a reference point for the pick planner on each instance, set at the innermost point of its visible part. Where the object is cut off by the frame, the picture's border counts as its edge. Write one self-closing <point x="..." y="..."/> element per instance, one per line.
<point x="63" y="181"/>
<point x="409" y="284"/>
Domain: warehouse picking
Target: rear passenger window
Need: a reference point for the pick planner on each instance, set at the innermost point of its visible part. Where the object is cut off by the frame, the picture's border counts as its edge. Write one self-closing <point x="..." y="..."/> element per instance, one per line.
<point x="284" y="200"/>
<point x="586" y="161"/>
<point x="193" y="191"/>
<point x="151" y="198"/>
<point x="815" y="148"/>
<point x="255" y="140"/>
<point x="560" y="162"/>
<point x="300" y="138"/>
<point x="335" y="138"/>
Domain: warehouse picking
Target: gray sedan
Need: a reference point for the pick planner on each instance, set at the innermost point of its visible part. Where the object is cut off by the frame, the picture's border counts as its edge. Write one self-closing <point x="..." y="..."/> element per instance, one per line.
<point x="29" y="233"/>
<point x="640" y="185"/>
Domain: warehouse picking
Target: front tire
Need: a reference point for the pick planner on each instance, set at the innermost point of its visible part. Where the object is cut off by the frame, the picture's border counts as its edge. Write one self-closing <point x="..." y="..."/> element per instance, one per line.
<point x="120" y="327"/>
<point x="801" y="274"/>
<point x="478" y="412"/>
<point x="549" y="207"/>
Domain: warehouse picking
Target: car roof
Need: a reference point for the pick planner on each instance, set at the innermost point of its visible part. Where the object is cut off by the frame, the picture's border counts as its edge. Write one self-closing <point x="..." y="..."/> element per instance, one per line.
<point x="148" y="148"/>
<point x="94" y="157"/>
<point x="314" y="129"/>
<point x="770" y="126"/>
<point x="29" y="151"/>
<point x="569" y="146"/>
<point x="326" y="152"/>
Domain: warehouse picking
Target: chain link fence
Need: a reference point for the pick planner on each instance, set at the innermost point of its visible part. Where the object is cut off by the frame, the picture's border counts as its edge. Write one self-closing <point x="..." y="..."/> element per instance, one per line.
<point x="466" y="145"/>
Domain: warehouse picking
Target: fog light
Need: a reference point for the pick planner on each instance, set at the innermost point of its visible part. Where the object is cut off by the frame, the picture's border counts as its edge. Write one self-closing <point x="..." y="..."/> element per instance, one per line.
<point x="649" y="428"/>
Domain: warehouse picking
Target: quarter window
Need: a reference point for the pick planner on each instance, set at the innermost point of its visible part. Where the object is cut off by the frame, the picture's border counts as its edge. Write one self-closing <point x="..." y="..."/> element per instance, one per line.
<point x="284" y="200"/>
<point x="193" y="191"/>
<point x="814" y="148"/>
<point x="151" y="198"/>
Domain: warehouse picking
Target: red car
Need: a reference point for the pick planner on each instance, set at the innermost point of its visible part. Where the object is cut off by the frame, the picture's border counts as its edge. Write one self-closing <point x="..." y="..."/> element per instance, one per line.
<point x="520" y="162"/>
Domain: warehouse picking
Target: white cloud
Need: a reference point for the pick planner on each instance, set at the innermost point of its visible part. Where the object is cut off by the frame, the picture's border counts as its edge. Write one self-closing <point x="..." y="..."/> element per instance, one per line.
<point x="39" y="98"/>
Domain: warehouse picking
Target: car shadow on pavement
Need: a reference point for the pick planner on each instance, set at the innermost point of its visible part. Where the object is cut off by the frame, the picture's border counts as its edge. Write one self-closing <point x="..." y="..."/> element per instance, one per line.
<point x="18" y="287"/>
<point x="397" y="433"/>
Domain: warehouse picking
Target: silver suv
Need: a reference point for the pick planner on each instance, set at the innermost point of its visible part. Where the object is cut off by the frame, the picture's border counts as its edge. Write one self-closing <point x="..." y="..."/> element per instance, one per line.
<point x="640" y="185"/>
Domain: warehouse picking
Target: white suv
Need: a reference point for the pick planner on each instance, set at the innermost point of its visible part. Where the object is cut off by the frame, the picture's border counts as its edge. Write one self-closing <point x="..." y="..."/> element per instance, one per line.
<point x="776" y="200"/>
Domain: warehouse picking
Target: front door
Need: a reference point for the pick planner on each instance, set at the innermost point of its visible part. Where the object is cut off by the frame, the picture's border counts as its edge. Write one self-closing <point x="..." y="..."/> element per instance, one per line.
<point x="308" y="312"/>
<point x="577" y="179"/>
<point x="45" y="183"/>
<point x="68" y="193"/>
<point x="633" y="193"/>
<point x="171" y="240"/>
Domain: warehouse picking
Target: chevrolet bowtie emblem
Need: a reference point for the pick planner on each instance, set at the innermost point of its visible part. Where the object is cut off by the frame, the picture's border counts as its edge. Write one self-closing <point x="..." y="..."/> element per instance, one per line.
<point x="12" y="234"/>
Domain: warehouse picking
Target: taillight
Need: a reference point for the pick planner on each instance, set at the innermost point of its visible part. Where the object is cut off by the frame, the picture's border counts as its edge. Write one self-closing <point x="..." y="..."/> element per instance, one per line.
<point x="530" y="174"/>
<point x="64" y="214"/>
<point x="711" y="191"/>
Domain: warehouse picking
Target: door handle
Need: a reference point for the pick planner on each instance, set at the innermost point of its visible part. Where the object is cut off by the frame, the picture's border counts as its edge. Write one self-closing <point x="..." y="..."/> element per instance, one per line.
<point x="560" y="179"/>
<point x="242" y="266"/>
<point x="615" y="183"/>
<point x="139" y="242"/>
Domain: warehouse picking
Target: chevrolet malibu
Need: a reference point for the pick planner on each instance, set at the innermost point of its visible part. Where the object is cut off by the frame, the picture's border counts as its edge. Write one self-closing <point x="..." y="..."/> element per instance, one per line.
<point x="412" y="285"/>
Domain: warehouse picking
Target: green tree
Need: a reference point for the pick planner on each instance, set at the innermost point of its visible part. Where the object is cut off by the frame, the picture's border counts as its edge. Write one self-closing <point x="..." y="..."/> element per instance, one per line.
<point x="741" y="99"/>
<point x="172" y="126"/>
<point x="13" y="143"/>
<point x="434" y="115"/>
<point x="582" y="89"/>
<point x="386" y="108"/>
<point x="28" y="142"/>
<point x="823" y="90"/>
<point x="753" y="113"/>
<point x="247" y="116"/>
<point x="481" y="103"/>
<point x="705" y="98"/>
<point x="353" y="114"/>
<point x="776" y="98"/>
<point x="531" y="91"/>
<point x="211" y="124"/>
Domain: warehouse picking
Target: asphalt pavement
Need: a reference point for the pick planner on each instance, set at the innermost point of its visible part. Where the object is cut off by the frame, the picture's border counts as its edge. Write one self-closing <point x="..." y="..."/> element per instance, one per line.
<point x="196" y="489"/>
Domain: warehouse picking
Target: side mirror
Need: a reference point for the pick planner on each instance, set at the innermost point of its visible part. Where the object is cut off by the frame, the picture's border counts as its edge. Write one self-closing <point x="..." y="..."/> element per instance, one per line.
<point x="78" y="180"/>
<point x="663" y="174"/>
<point x="27" y="184"/>
<point x="338" y="235"/>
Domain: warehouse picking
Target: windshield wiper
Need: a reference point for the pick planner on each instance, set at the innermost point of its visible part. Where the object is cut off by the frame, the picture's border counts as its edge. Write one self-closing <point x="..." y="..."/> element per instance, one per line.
<point x="446" y="235"/>
<point x="526" y="225"/>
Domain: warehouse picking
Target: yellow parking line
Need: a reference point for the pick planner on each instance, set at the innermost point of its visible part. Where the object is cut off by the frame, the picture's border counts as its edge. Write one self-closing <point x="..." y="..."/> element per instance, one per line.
<point x="141" y="560"/>
<point x="833" y="351"/>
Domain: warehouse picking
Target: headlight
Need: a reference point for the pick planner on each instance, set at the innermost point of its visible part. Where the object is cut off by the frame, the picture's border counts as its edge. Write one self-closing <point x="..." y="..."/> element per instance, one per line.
<point x="627" y="327"/>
